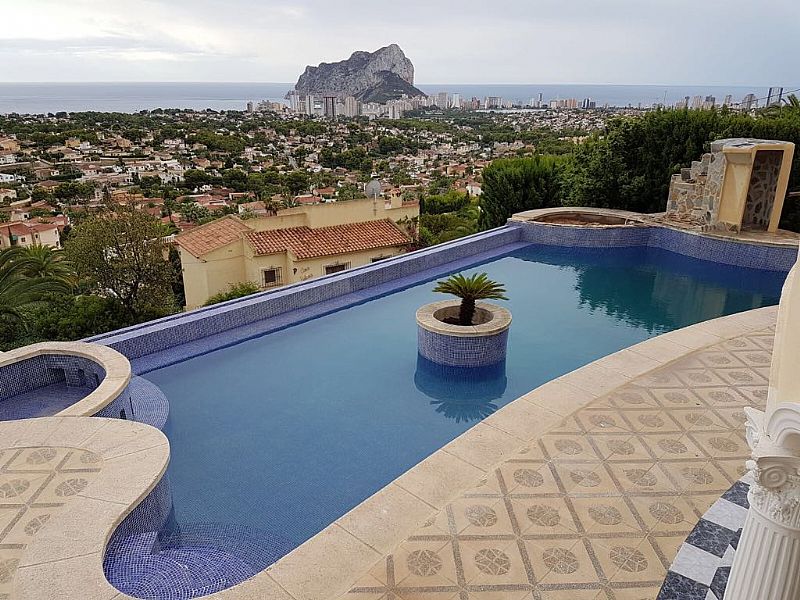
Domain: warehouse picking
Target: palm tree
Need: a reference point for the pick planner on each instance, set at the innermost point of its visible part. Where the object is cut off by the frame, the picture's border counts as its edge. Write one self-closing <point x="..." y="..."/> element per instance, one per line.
<point x="42" y="261"/>
<point x="18" y="289"/>
<point x="470" y="289"/>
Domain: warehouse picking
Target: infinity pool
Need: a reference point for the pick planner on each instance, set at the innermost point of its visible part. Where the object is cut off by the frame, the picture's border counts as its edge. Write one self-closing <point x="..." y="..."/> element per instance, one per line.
<point x="283" y="434"/>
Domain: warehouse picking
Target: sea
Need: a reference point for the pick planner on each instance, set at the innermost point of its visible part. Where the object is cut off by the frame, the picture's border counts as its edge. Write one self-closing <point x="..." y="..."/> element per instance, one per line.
<point x="43" y="98"/>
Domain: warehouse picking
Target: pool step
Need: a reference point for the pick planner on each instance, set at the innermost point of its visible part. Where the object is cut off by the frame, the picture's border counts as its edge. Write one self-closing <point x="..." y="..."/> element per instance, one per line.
<point x="193" y="560"/>
<point x="186" y="572"/>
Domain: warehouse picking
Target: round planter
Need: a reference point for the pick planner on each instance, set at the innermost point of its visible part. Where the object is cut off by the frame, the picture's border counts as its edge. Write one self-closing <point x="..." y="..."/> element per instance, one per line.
<point x="478" y="345"/>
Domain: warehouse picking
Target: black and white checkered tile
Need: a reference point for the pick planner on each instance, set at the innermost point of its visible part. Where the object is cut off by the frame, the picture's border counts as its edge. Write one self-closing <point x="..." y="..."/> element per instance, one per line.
<point x="701" y="568"/>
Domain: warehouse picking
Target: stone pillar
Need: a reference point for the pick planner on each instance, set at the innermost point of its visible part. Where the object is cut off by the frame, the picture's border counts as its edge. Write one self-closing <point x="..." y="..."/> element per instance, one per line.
<point x="767" y="560"/>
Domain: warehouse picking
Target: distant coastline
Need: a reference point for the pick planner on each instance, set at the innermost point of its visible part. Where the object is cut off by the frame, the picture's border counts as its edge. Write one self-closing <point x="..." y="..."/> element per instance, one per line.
<point x="36" y="98"/>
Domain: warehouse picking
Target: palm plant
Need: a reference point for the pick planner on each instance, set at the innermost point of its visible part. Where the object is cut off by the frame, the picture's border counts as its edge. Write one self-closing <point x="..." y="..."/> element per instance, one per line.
<point x="42" y="261"/>
<point x="470" y="289"/>
<point x="20" y="290"/>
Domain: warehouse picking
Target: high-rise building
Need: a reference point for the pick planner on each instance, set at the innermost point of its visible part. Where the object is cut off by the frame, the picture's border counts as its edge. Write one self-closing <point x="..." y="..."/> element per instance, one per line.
<point x="350" y="107"/>
<point x="774" y="96"/>
<point x="442" y="100"/>
<point x="456" y="101"/>
<point x="295" y="102"/>
<point x="494" y="102"/>
<point x="709" y="102"/>
<point x="309" y="105"/>
<point x="250" y="107"/>
<point x="330" y="106"/>
<point x="749" y="102"/>
<point x="728" y="100"/>
<point x="697" y="102"/>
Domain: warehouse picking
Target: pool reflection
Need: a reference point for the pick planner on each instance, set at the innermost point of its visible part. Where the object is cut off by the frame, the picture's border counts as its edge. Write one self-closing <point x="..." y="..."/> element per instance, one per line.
<point x="463" y="394"/>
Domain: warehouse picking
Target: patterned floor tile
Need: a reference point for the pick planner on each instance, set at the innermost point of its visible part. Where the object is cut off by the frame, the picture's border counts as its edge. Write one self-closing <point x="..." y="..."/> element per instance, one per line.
<point x="561" y="563"/>
<point x="35" y="484"/>
<point x="543" y="518"/>
<point x="627" y="560"/>
<point x="598" y="507"/>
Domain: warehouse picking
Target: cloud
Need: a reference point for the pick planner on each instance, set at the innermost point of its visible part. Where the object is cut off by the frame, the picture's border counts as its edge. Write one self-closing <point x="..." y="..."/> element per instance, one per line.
<point x="451" y="41"/>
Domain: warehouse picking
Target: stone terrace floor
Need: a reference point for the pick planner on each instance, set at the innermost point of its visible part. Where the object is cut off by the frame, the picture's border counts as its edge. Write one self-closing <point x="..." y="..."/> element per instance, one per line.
<point x="597" y="508"/>
<point x="35" y="484"/>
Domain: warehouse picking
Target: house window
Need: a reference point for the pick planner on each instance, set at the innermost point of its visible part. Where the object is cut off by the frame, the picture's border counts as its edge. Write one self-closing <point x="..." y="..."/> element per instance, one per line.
<point x="329" y="269"/>
<point x="271" y="277"/>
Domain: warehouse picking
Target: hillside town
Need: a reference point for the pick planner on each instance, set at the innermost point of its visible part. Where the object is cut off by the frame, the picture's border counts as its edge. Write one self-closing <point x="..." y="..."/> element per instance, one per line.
<point x="189" y="167"/>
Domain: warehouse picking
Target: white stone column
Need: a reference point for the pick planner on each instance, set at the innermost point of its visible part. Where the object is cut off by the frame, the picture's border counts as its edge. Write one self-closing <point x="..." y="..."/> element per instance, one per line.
<point x="766" y="565"/>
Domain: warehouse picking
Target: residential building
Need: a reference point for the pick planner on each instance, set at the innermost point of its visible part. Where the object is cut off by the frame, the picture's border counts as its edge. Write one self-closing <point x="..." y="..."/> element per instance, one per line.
<point x="295" y="245"/>
<point x="29" y="233"/>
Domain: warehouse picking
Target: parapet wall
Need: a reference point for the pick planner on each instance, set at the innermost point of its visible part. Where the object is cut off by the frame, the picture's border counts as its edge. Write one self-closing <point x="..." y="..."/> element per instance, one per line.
<point x="155" y="344"/>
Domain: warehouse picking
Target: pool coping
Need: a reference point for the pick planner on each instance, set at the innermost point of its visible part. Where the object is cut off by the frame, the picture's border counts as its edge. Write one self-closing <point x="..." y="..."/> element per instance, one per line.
<point x="65" y="559"/>
<point x="329" y="563"/>
<point x="500" y="321"/>
<point x="648" y="220"/>
<point x="116" y="366"/>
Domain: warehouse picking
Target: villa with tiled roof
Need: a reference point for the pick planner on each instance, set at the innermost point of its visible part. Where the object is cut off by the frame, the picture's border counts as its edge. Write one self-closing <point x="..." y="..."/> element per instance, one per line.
<point x="295" y="245"/>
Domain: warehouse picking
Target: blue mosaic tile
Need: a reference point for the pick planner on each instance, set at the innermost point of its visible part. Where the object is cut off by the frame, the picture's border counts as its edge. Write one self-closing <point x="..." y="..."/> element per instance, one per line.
<point x="46" y="384"/>
<point x="479" y="351"/>
<point x="141" y="401"/>
<point x="150" y="555"/>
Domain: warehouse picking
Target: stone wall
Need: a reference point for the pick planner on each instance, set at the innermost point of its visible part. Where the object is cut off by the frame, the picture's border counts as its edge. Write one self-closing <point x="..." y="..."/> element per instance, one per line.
<point x="694" y="192"/>
<point x="715" y="192"/>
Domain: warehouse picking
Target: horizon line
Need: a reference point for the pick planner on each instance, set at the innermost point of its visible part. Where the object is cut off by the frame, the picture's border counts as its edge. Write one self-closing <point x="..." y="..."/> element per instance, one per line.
<point x="667" y="85"/>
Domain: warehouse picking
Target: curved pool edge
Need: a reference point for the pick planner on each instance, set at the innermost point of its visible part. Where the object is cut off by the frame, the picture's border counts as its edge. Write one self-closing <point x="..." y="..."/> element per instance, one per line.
<point x="329" y="563"/>
<point x="116" y="366"/>
<point x="65" y="559"/>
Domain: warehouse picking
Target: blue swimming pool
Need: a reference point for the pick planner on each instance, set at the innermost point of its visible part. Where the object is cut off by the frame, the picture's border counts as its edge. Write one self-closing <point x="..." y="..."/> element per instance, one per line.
<point x="279" y="436"/>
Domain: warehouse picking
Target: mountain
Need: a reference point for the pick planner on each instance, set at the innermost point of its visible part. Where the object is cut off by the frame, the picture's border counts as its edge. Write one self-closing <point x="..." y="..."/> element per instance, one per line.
<point x="385" y="74"/>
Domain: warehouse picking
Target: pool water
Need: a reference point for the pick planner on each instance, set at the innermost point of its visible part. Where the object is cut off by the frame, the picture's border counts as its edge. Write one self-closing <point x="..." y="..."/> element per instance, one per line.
<point x="285" y="433"/>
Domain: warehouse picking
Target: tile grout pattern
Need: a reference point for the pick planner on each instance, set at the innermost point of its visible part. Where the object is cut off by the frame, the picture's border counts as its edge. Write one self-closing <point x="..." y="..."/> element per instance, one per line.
<point x="36" y="483"/>
<point x="598" y="507"/>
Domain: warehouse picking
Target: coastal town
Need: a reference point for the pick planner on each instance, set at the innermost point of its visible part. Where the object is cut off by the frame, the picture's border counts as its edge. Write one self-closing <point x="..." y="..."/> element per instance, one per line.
<point x="271" y="166"/>
<point x="188" y="167"/>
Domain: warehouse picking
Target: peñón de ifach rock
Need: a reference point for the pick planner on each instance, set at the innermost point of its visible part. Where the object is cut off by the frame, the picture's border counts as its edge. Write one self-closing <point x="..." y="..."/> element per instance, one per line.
<point x="385" y="74"/>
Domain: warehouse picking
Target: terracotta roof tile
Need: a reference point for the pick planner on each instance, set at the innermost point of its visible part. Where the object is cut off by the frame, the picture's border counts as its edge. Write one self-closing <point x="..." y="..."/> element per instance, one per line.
<point x="306" y="243"/>
<point x="209" y="237"/>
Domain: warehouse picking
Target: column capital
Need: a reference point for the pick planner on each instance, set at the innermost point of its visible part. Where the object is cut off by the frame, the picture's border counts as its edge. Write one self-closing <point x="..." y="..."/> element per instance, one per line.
<point x="775" y="463"/>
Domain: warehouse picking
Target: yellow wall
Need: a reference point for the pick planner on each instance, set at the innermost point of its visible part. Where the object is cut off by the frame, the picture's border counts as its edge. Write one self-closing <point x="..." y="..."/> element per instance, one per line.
<point x="335" y="213"/>
<point x="309" y="269"/>
<point x="236" y="263"/>
<point x="736" y="182"/>
<point x="734" y="188"/>
<point x="212" y="274"/>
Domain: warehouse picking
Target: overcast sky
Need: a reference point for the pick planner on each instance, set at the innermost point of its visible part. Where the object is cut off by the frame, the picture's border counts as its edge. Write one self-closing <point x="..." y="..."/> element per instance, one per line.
<point x="704" y="42"/>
